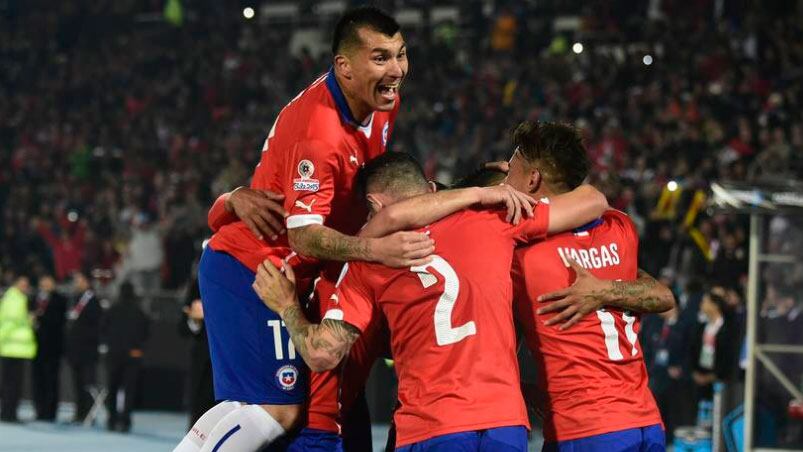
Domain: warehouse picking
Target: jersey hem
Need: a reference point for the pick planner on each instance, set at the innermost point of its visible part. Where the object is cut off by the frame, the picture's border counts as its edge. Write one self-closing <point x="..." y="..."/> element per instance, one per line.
<point x="460" y="429"/>
<point x="604" y="430"/>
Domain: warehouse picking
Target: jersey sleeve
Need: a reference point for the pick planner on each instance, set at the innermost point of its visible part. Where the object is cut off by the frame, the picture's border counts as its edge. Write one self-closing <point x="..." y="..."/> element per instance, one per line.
<point x="353" y="299"/>
<point x="309" y="193"/>
<point x="218" y="216"/>
<point x="535" y="227"/>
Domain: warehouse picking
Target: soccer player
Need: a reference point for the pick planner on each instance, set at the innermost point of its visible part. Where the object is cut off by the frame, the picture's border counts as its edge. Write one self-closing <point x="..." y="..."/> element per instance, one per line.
<point x="450" y="320"/>
<point x="592" y="379"/>
<point x="308" y="161"/>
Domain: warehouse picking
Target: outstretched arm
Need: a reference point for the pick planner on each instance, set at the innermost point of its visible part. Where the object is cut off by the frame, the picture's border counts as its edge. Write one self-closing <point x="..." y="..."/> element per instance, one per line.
<point x="402" y="249"/>
<point x="589" y="293"/>
<point x="322" y="346"/>
<point x="422" y="210"/>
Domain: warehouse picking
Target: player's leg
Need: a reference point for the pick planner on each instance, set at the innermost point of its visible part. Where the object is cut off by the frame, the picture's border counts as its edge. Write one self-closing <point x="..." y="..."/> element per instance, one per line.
<point x="453" y="442"/>
<point x="200" y="431"/>
<point x="249" y="427"/>
<point x="253" y="359"/>
<point x="504" y="439"/>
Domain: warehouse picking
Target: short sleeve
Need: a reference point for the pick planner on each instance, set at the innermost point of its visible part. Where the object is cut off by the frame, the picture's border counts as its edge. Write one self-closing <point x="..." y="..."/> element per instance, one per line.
<point x="535" y="227"/>
<point x="353" y="300"/>
<point x="310" y="189"/>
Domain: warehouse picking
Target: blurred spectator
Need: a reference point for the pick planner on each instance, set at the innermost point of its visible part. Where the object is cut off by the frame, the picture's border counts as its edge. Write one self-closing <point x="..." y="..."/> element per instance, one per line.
<point x="17" y="345"/>
<point x="82" y="341"/>
<point x="143" y="260"/>
<point x="126" y="330"/>
<point x="200" y="390"/>
<point x="666" y="353"/>
<point x="50" y="316"/>
<point x="715" y="345"/>
<point x="781" y="322"/>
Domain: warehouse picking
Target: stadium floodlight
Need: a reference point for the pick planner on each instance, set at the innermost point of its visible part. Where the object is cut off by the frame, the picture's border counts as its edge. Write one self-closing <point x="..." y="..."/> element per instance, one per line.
<point x="248" y="12"/>
<point x="671" y="185"/>
<point x="577" y="48"/>
<point x="647" y="60"/>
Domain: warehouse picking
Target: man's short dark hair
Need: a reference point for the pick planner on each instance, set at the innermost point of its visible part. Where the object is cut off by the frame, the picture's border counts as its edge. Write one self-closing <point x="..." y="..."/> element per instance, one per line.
<point x="483" y="177"/>
<point x="395" y="173"/>
<point x="556" y="150"/>
<point x="346" y="31"/>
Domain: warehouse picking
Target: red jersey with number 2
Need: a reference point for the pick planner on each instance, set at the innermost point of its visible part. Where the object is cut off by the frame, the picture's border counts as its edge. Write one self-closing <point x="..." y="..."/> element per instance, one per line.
<point x="592" y="378"/>
<point x="451" y="325"/>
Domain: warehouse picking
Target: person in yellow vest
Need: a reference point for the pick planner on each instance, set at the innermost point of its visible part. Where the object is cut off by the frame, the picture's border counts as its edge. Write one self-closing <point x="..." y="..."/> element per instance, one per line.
<point x="17" y="345"/>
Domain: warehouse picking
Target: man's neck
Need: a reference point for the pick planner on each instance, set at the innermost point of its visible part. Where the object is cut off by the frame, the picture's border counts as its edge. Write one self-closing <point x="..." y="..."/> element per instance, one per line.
<point x="359" y="110"/>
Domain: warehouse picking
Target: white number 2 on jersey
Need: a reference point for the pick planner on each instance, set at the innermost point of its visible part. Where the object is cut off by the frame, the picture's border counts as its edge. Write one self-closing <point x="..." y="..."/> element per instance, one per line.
<point x="445" y="333"/>
<point x="608" y="323"/>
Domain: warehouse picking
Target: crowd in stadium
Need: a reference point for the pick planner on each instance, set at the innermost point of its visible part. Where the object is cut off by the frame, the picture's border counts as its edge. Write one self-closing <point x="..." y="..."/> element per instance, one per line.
<point x="116" y="135"/>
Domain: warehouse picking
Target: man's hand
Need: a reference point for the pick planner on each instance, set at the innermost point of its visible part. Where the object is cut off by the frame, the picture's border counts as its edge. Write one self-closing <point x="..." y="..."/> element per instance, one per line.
<point x="403" y="249"/>
<point x="502" y="166"/>
<point x="577" y="300"/>
<point x="514" y="200"/>
<point x="260" y="210"/>
<point x="195" y="311"/>
<point x="276" y="290"/>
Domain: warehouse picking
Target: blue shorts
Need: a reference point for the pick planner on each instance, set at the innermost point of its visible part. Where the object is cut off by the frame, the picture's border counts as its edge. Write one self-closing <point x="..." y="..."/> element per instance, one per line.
<point x="312" y="440"/>
<point x="645" y="439"/>
<point x="248" y="365"/>
<point x="500" y="439"/>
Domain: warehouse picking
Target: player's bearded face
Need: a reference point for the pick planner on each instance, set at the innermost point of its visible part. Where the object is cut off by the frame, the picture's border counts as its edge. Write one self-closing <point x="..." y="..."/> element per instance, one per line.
<point x="378" y="69"/>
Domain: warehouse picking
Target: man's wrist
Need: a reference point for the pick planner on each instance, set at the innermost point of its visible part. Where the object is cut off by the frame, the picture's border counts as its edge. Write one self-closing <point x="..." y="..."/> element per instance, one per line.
<point x="370" y="246"/>
<point x="293" y="303"/>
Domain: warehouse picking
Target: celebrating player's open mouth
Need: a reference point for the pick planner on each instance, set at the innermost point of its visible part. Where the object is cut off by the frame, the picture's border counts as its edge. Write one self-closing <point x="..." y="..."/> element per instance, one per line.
<point x="388" y="91"/>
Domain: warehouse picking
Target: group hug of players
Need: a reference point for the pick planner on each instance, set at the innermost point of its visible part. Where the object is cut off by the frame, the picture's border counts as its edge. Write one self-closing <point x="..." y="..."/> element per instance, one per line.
<point x="301" y="295"/>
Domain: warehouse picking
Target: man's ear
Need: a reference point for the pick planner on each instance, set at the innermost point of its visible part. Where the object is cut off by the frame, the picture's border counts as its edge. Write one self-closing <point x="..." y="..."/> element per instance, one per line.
<point x="343" y="66"/>
<point x="433" y="187"/>
<point x="375" y="203"/>
<point x="535" y="180"/>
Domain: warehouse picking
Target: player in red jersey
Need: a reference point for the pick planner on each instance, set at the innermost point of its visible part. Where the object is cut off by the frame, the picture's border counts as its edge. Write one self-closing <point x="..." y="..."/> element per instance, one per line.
<point x="592" y="381"/>
<point x="450" y="321"/>
<point x="309" y="161"/>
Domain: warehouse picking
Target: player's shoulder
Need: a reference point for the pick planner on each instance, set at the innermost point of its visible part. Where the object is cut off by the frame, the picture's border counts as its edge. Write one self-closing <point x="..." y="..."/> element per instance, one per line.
<point x="614" y="216"/>
<point x="313" y="115"/>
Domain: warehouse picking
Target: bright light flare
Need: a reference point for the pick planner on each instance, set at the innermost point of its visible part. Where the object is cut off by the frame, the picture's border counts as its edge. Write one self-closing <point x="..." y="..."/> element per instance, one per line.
<point x="577" y="48"/>
<point x="248" y="13"/>
<point x="672" y="185"/>
<point x="647" y="60"/>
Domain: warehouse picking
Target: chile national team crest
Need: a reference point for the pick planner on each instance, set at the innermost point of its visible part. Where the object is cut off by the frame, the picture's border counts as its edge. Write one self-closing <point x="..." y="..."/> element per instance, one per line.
<point x="385" y="135"/>
<point x="306" y="182"/>
<point x="287" y="376"/>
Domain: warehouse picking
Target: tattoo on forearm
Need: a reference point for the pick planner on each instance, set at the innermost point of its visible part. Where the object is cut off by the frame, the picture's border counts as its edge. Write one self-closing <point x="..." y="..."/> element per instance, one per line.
<point x="327" y="244"/>
<point x="638" y="295"/>
<point x="309" y="338"/>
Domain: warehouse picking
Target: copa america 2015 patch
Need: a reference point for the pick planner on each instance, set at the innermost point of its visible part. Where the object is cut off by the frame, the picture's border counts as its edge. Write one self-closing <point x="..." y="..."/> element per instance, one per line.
<point x="287" y="376"/>
<point x="306" y="183"/>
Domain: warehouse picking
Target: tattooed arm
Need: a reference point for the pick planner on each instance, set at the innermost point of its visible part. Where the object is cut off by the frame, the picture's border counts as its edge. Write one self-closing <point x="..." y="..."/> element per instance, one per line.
<point x="322" y="345"/>
<point x="402" y="249"/>
<point x="588" y="294"/>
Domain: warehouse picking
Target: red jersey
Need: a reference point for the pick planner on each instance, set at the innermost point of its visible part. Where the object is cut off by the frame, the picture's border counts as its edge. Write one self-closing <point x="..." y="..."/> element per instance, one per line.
<point x="333" y="393"/>
<point x="592" y="377"/>
<point x="311" y="155"/>
<point x="451" y="325"/>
